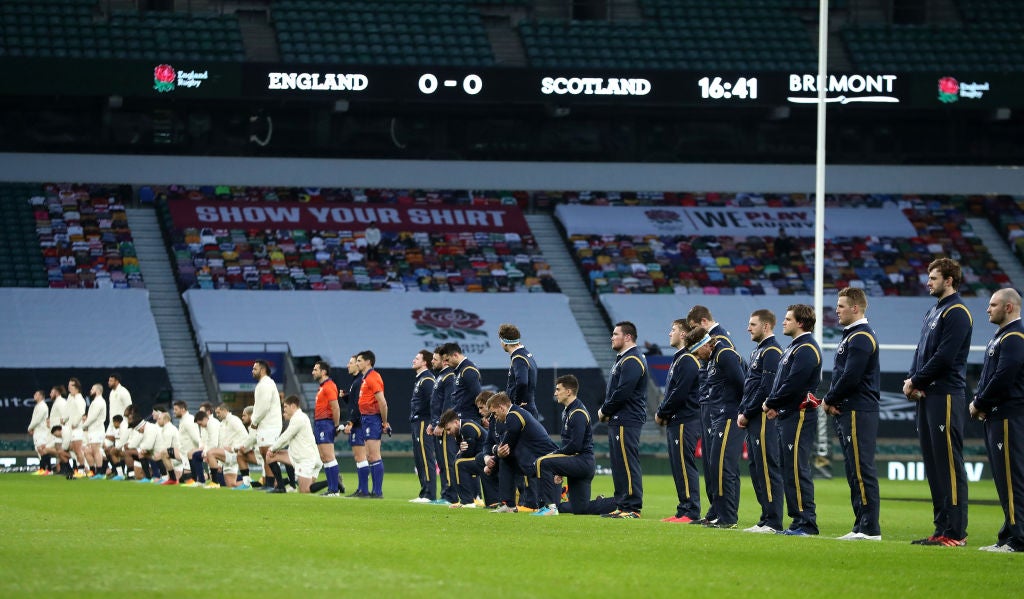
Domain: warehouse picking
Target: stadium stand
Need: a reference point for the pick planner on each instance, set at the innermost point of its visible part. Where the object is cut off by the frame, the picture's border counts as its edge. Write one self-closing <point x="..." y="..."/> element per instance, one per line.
<point x="71" y="29"/>
<point x="676" y="35"/>
<point x="722" y="265"/>
<point x="1006" y="213"/>
<point x="65" y="236"/>
<point x="988" y="39"/>
<point x="331" y="260"/>
<point x="391" y="32"/>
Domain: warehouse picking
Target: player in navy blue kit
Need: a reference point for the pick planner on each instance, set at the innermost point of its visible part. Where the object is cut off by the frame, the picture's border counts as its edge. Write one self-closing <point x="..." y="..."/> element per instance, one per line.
<point x="937" y="382"/>
<point x="445" y="448"/>
<point x="799" y="375"/>
<point x="573" y="461"/>
<point x="853" y="398"/>
<point x="725" y="374"/>
<point x="762" y="433"/>
<point x="521" y="386"/>
<point x="625" y="411"/>
<point x="419" y="419"/>
<point x="679" y="413"/>
<point x="999" y="402"/>
<point x="700" y="316"/>
<point x="522" y="442"/>
<point x="473" y="439"/>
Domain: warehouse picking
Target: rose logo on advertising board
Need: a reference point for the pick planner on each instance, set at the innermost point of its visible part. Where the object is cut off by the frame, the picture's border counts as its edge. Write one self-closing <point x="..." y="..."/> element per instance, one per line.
<point x="163" y="78"/>
<point x="949" y="90"/>
<point x="662" y="217"/>
<point x="447" y="323"/>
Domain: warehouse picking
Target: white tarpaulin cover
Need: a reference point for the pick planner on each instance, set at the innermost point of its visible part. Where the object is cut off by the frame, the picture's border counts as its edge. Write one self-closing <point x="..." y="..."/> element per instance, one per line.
<point x="337" y="324"/>
<point x="896" y="320"/>
<point x="81" y="328"/>
<point x="888" y="221"/>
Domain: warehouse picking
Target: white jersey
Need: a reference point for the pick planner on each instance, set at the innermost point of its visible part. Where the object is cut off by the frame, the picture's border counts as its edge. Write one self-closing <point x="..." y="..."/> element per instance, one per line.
<point x="120" y="399"/>
<point x="37" y="425"/>
<point x="40" y="414"/>
<point x="151" y="438"/>
<point x="298" y="437"/>
<point x="119" y="433"/>
<point x="266" y="409"/>
<point x="133" y="439"/>
<point x="96" y="416"/>
<point x="170" y="438"/>
<point x="210" y="434"/>
<point x="58" y="412"/>
<point x="251" y="443"/>
<point x="74" y="411"/>
<point x="188" y="433"/>
<point x="232" y="432"/>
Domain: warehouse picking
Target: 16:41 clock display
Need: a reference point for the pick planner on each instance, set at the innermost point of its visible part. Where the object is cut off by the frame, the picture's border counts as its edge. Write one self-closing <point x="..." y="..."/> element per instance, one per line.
<point x="714" y="88"/>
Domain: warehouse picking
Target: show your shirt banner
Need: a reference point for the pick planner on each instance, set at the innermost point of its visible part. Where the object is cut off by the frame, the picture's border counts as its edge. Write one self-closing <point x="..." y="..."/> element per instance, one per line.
<point x="83" y="328"/>
<point x="348" y="217"/>
<point x="887" y="221"/>
<point x="337" y="324"/>
<point x="896" y="321"/>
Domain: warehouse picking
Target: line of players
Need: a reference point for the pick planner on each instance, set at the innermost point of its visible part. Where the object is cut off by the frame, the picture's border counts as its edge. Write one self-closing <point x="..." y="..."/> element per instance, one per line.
<point x="496" y="442"/>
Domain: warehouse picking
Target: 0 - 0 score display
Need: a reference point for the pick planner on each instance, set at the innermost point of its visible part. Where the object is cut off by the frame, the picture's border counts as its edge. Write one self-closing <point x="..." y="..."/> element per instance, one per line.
<point x="714" y="88"/>
<point x="471" y="84"/>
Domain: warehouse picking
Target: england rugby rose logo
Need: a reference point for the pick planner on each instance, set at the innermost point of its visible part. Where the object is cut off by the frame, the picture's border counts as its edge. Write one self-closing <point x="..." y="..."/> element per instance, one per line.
<point x="949" y="90"/>
<point x="163" y="78"/>
<point x="662" y="217"/>
<point x="447" y="323"/>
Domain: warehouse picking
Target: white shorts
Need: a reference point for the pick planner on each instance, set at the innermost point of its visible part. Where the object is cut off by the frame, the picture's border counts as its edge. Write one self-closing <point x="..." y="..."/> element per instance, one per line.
<point x="266" y="438"/>
<point x="307" y="469"/>
<point x="41" y="437"/>
<point x="65" y="442"/>
<point x="77" y="434"/>
<point x="96" y="437"/>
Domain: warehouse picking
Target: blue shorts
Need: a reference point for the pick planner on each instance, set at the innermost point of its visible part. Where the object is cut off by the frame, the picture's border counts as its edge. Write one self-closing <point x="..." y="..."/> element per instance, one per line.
<point x="356" y="437"/>
<point x="323" y="430"/>
<point x="372" y="426"/>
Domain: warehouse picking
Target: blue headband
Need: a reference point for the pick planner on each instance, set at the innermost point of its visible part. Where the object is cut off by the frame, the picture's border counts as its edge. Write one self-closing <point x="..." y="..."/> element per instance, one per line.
<point x="699" y="344"/>
<point x="508" y="341"/>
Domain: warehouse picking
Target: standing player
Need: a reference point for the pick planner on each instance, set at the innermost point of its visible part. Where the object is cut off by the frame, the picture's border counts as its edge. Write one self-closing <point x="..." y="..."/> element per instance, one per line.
<point x="725" y="390"/>
<point x="354" y="430"/>
<point x="679" y="413"/>
<point x="58" y="418"/>
<point x="762" y="433"/>
<point x="521" y="386"/>
<point x="465" y="384"/>
<point x="700" y="316"/>
<point x="419" y="418"/>
<point x="40" y="431"/>
<point x="937" y="382"/>
<point x="625" y="411"/>
<point x="790" y="401"/>
<point x="444" y="445"/>
<point x="94" y="429"/>
<point x="302" y="451"/>
<point x="75" y="416"/>
<point x="120" y="398"/>
<point x="327" y="422"/>
<point x="999" y="402"/>
<point x="373" y="413"/>
<point x="852" y="399"/>
<point x="266" y="413"/>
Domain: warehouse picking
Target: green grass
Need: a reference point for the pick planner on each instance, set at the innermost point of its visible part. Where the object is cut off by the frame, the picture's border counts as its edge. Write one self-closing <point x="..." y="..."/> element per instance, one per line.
<point x="95" y="538"/>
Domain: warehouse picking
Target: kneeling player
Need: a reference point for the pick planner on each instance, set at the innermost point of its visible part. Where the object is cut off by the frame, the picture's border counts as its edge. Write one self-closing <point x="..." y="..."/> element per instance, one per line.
<point x="302" y="452"/>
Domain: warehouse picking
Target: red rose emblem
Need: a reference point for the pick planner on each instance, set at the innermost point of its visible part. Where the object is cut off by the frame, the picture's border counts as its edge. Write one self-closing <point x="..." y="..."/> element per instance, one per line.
<point x="164" y="73"/>
<point x="447" y="318"/>
<point x="163" y="78"/>
<point x="949" y="85"/>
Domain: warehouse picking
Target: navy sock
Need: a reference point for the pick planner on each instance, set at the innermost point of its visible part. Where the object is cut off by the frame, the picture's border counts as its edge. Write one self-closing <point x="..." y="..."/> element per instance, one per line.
<point x="377" y="473"/>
